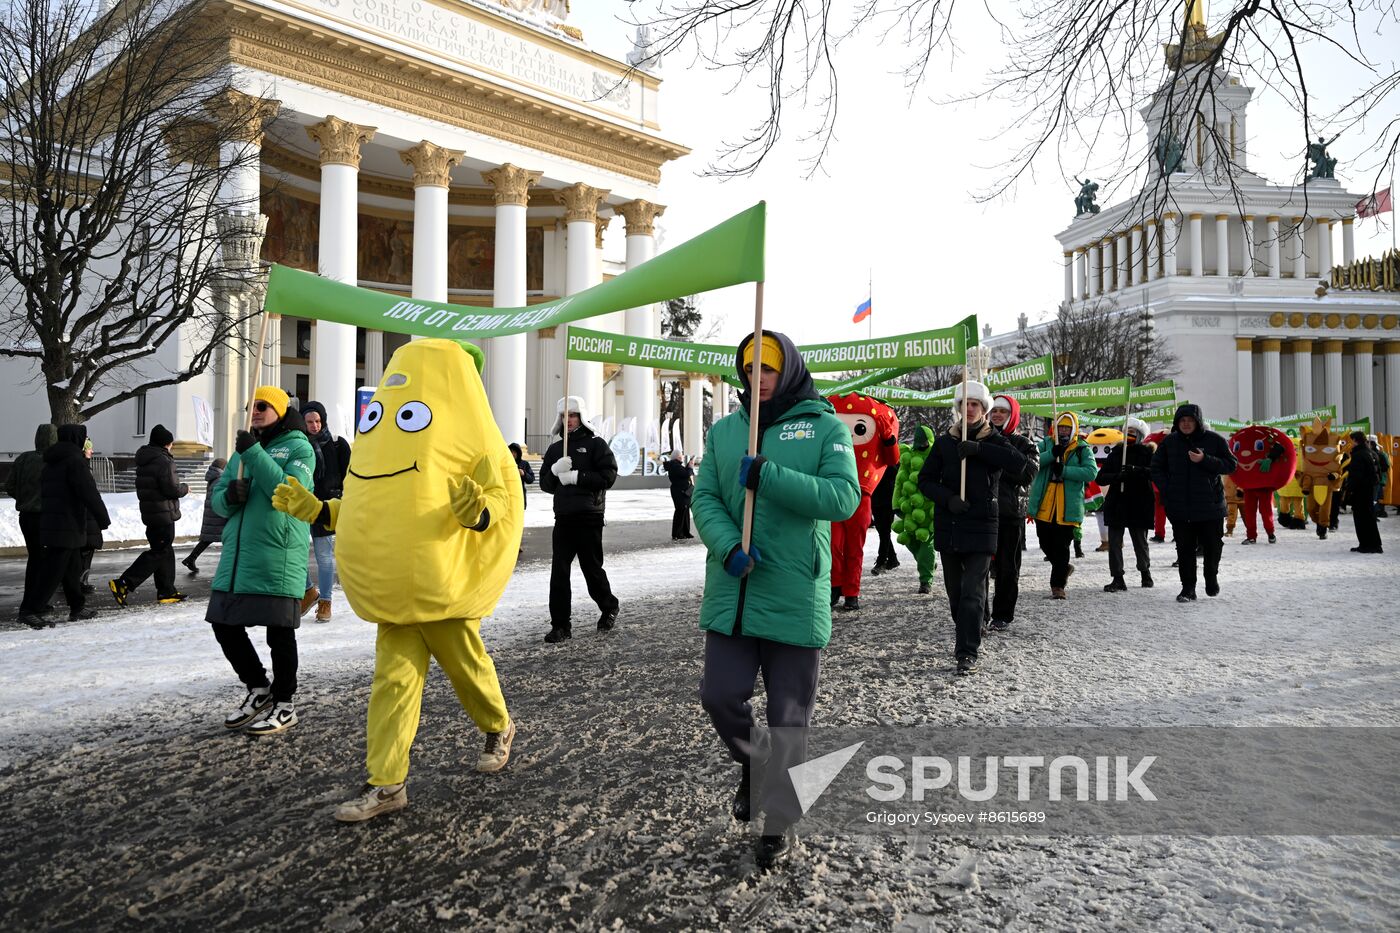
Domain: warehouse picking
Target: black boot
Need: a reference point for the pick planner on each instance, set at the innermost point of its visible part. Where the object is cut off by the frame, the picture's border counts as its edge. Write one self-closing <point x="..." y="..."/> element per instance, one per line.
<point x="607" y="620"/>
<point x="1146" y="580"/>
<point x="1116" y="585"/>
<point x="740" y="807"/>
<point x="558" y="634"/>
<point x="771" y="850"/>
<point x="1078" y="551"/>
<point x="835" y="596"/>
<point x="1212" y="586"/>
<point x="852" y="604"/>
<point x="1187" y="595"/>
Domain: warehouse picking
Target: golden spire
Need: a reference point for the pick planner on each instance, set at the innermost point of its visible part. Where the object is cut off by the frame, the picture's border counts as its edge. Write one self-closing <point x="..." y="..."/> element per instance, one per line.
<point x="1199" y="45"/>
<point x="1195" y="15"/>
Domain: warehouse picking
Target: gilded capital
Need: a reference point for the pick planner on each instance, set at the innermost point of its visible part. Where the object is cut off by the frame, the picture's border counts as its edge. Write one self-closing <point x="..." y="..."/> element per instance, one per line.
<point x="640" y="216"/>
<point x="580" y="202"/>
<point x="243" y="116"/>
<point x="431" y="164"/>
<point x="340" y="140"/>
<point x="600" y="225"/>
<point x="512" y="183"/>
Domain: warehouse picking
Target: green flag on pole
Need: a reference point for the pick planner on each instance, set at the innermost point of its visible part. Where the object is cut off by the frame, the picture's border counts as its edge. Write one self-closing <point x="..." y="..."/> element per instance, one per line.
<point x="728" y="254"/>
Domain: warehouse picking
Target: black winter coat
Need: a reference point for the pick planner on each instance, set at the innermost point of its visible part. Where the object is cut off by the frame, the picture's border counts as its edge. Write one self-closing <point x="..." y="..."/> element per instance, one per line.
<point x="211" y="527"/>
<point x="597" y="471"/>
<point x="1362" y="477"/>
<point x="974" y="531"/>
<point x="23" y="483"/>
<point x="680" y="474"/>
<point x="1016" y="484"/>
<point x="1129" y="502"/>
<point x="527" y="478"/>
<point x="1192" y="492"/>
<point x="882" y="499"/>
<point x="158" y="486"/>
<point x="332" y="461"/>
<point x="69" y="493"/>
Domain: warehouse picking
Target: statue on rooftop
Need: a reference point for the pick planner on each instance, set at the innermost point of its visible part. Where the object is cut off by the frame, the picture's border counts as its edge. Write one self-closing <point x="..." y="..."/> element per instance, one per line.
<point x="1084" y="201"/>
<point x="1324" y="166"/>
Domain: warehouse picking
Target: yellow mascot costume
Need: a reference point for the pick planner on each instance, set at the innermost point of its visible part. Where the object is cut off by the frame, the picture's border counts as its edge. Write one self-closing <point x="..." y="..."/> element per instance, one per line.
<point x="427" y="533"/>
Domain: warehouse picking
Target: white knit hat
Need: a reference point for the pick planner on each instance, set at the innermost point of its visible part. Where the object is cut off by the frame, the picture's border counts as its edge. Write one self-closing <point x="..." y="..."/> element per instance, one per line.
<point x="976" y="391"/>
<point x="1138" y="425"/>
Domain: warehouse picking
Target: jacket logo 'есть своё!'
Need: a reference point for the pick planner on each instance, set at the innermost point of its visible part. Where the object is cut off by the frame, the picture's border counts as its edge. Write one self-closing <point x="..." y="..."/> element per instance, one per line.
<point x="797" y="431"/>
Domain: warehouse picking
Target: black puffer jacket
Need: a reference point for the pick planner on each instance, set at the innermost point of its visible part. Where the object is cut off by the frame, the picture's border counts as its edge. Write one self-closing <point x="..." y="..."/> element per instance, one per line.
<point x="882" y="499"/>
<point x="974" y="531"/>
<point x="1128" y="502"/>
<point x="1192" y="492"/>
<point x="158" y="486"/>
<point x="597" y="471"/>
<point x="211" y="527"/>
<point x="332" y="462"/>
<point x="23" y="483"/>
<point x="69" y="492"/>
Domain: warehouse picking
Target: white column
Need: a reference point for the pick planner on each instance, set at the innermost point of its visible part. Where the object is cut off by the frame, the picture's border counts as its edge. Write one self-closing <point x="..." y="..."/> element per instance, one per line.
<point x="1136" y="273"/>
<point x="1324" y="248"/>
<point x="1349" y="243"/>
<point x="1081" y="261"/>
<point x="580" y="212"/>
<point x="1069" y="275"/>
<point x="333" y="382"/>
<point x="1392" y="387"/>
<point x="1299" y="253"/>
<point x="1170" y="233"/>
<point x="1095" y="270"/>
<point x="432" y="166"/>
<point x="240" y="119"/>
<point x="1198" y="263"/>
<point x="1247" y="230"/>
<point x="693" y="424"/>
<point x="270" y="373"/>
<point x="1153" y="233"/>
<point x="1222" y="244"/>
<point x="1365" y="382"/>
<point x="721" y="398"/>
<point x="638" y="394"/>
<point x="1302" y="374"/>
<point x="1122" y="260"/>
<point x="1244" y="378"/>
<point x="506" y="369"/>
<point x="1332" y="377"/>
<point x="1273" y="385"/>
<point x="374" y="357"/>
<point x="1272" y="239"/>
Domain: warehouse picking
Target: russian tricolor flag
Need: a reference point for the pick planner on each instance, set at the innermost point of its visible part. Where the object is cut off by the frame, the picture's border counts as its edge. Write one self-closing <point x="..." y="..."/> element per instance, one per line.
<point x="862" y="311"/>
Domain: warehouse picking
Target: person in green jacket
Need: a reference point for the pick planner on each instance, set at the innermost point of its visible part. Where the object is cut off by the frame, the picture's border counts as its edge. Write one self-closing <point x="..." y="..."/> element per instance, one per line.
<point x="262" y="570"/>
<point x="1057" y="496"/>
<point x="768" y="609"/>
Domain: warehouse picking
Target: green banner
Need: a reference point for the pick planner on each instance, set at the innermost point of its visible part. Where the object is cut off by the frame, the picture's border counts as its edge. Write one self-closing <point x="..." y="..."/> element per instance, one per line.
<point x="1040" y="369"/>
<point x="1300" y="417"/>
<point x="946" y="346"/>
<point x="856" y="383"/>
<point x="1103" y="394"/>
<point x="1159" y="412"/>
<point x="1163" y="391"/>
<point x="728" y="254"/>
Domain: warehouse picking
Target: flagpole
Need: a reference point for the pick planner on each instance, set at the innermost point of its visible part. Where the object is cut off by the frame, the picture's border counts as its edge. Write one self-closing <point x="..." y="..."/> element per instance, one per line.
<point x="870" y="297"/>
<point x="564" y="419"/>
<point x="755" y="374"/>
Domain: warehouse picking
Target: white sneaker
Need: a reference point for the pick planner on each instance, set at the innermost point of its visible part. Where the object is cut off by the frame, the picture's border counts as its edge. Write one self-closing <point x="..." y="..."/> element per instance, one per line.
<point x="253" y="706"/>
<point x="279" y="718"/>
<point x="373" y="802"/>
<point x="497" y="751"/>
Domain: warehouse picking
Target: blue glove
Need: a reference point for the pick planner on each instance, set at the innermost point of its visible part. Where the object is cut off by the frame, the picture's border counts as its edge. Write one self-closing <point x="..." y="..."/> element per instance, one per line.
<point x="738" y="564"/>
<point x="750" y="468"/>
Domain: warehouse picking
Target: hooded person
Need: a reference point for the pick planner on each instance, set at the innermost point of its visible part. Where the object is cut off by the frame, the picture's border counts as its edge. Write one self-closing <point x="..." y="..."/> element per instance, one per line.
<point x="915" y="522"/>
<point x="1364" y="471"/>
<point x="1057" y="496"/>
<point x="579" y="480"/>
<point x="767" y="609"/>
<point x="681" y="476"/>
<point x="1187" y="467"/>
<point x="332" y="460"/>
<point x="262" y="568"/>
<point x="1011" y="523"/>
<point x="1126" y="475"/>
<point x="427" y="532"/>
<point x="68" y="500"/>
<point x="211" y="527"/>
<point x="963" y="478"/>
<point x="159" y="491"/>
<point x="22" y="485"/>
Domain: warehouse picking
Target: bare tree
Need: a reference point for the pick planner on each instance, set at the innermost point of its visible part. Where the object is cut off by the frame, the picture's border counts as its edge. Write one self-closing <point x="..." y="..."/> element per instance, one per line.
<point x="1093" y="341"/>
<point x="1076" y="71"/>
<point x="117" y="127"/>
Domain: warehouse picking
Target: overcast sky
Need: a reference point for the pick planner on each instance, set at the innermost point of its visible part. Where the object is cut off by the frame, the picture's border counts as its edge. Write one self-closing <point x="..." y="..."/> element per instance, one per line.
<point x="896" y="201"/>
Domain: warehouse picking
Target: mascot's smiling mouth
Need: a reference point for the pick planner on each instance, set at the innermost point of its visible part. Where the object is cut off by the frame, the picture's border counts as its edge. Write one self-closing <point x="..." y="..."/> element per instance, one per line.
<point x="385" y="475"/>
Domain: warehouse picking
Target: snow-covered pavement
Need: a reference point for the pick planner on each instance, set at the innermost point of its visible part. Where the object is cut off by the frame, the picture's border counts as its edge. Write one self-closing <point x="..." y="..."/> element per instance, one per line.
<point x="135" y="808"/>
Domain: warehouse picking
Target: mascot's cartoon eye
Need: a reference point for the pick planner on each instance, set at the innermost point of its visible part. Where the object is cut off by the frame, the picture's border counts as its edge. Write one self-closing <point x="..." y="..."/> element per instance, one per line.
<point x="1258" y="445"/>
<point x="1236" y="446"/>
<point x="861" y="429"/>
<point x="1329" y="450"/>
<point x="413" y="416"/>
<point x="372" y="413"/>
<point x="1310" y="449"/>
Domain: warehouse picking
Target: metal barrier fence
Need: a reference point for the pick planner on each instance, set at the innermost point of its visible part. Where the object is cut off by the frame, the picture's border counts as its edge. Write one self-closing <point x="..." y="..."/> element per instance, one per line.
<point x="104" y="473"/>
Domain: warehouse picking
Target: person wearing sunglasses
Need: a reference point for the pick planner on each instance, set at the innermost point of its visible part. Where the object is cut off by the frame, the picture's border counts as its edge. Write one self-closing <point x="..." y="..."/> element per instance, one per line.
<point x="262" y="571"/>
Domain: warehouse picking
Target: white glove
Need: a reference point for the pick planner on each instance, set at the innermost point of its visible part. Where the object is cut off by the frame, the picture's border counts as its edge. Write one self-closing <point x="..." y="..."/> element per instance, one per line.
<point x="562" y="466"/>
<point x="569" y="478"/>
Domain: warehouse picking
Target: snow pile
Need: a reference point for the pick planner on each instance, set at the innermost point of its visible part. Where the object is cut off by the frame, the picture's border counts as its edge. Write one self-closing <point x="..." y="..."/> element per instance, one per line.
<point x="122" y="509"/>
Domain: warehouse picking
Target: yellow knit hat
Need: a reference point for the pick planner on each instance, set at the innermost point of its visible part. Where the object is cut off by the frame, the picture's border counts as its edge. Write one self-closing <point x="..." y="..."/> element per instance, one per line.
<point x="274" y="397"/>
<point x="772" y="354"/>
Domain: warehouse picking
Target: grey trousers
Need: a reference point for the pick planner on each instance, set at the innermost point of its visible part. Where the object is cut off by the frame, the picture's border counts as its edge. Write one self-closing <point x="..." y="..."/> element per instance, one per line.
<point x="790" y="674"/>
<point x="1115" y="550"/>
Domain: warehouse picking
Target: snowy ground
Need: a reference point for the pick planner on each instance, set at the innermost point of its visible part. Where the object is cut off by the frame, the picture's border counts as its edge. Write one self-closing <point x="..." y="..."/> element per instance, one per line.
<point x="627" y="505"/>
<point x="134" y="810"/>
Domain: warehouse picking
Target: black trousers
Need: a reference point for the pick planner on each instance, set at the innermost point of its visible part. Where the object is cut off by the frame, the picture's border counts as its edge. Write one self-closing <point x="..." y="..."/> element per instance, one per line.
<point x="965" y="579"/>
<point x="1055" y="541"/>
<point x="199" y="549"/>
<point x="1363" y="515"/>
<point x="34" y="558"/>
<point x="1209" y="537"/>
<point x="243" y="657"/>
<point x="790" y="675"/>
<point x="158" y="561"/>
<point x="1115" y="550"/>
<point x="62" y="566"/>
<point x="680" y="522"/>
<point x="583" y="540"/>
<point x="1006" y="566"/>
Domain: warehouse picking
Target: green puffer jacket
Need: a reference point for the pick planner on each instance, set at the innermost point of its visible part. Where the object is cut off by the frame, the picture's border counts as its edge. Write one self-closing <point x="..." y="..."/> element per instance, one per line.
<point x="807" y="482"/>
<point x="268" y="556"/>
<point x="1079" y="469"/>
